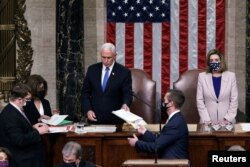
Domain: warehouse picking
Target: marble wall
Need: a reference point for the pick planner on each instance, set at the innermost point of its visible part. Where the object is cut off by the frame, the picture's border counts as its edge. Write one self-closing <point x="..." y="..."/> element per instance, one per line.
<point x="69" y="53"/>
<point x="41" y="18"/>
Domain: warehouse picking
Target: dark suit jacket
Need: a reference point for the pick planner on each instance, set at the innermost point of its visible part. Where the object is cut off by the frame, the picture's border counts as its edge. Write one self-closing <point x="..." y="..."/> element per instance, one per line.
<point x="18" y="135"/>
<point x="172" y="142"/>
<point x="33" y="114"/>
<point x="118" y="91"/>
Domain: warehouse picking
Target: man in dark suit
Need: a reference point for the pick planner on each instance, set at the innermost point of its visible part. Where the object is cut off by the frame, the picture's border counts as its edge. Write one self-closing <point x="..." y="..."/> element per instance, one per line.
<point x="107" y="87"/>
<point x="172" y="142"/>
<point x="17" y="133"/>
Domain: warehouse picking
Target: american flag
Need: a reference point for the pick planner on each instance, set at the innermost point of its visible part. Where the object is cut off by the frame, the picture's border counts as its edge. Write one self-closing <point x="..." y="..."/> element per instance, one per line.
<point x="165" y="37"/>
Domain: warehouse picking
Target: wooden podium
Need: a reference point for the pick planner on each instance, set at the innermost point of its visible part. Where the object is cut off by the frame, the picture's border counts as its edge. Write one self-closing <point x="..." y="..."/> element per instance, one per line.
<point x="160" y="162"/>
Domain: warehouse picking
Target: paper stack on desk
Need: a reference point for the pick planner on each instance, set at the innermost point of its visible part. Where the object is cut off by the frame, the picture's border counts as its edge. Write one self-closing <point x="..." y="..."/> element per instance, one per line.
<point x="100" y="128"/>
<point x="130" y="118"/>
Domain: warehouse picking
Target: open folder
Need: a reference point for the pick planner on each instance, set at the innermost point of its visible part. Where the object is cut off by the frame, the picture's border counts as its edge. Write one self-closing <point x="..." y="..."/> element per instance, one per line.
<point x="56" y="120"/>
<point x="130" y="118"/>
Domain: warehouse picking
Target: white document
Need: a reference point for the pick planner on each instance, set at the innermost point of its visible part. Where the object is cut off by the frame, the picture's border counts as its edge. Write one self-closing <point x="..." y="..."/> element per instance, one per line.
<point x="62" y="129"/>
<point x="130" y="117"/>
<point x="245" y="126"/>
<point x="55" y="119"/>
<point x="100" y="128"/>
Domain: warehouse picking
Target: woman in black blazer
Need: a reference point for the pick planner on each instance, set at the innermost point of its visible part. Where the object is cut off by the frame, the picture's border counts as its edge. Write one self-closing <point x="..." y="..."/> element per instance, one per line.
<point x="38" y="107"/>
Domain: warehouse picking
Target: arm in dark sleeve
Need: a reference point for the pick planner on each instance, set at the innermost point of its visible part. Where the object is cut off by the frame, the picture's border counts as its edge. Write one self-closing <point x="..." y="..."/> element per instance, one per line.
<point x="127" y="88"/>
<point x="86" y="94"/>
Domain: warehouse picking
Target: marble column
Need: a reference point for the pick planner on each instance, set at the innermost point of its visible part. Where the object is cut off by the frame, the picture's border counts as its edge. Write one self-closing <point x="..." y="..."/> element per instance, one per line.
<point x="69" y="55"/>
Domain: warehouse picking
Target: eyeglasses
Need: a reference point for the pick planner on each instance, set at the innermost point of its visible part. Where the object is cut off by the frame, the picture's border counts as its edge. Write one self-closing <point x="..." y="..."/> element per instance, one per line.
<point x="25" y="99"/>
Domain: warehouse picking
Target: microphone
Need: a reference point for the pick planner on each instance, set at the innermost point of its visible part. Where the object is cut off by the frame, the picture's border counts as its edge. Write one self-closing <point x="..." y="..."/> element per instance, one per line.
<point x="141" y="100"/>
<point x="156" y="134"/>
<point x="147" y="104"/>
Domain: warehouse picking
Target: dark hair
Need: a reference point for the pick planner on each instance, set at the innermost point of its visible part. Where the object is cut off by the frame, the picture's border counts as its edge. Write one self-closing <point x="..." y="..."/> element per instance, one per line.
<point x="7" y="152"/>
<point x="34" y="82"/>
<point x="223" y="66"/>
<point x="177" y="97"/>
<point x="20" y="90"/>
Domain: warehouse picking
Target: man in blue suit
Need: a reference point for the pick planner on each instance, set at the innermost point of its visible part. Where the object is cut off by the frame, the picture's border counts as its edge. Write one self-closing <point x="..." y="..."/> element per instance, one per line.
<point x="172" y="142"/>
<point x="107" y="87"/>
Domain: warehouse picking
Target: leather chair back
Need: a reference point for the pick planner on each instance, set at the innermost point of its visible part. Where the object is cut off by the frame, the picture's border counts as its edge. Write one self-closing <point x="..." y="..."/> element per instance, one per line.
<point x="187" y="83"/>
<point x="144" y="95"/>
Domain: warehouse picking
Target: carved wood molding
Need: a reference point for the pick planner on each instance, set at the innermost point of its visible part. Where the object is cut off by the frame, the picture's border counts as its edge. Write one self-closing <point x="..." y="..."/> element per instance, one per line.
<point x="23" y="39"/>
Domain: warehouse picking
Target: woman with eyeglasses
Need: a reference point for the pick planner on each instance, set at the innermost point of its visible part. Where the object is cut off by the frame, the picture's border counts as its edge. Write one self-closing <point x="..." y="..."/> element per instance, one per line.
<point x="217" y="93"/>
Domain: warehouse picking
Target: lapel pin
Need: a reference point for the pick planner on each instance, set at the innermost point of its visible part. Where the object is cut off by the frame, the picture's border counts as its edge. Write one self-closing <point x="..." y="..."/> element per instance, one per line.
<point x="113" y="73"/>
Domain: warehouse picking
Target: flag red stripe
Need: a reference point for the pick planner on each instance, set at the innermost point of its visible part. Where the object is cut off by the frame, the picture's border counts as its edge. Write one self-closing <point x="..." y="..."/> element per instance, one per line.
<point x="220" y="25"/>
<point x="183" y="36"/>
<point x="147" y="48"/>
<point x="111" y="31"/>
<point x="129" y="45"/>
<point x="202" y="22"/>
<point x="165" y="60"/>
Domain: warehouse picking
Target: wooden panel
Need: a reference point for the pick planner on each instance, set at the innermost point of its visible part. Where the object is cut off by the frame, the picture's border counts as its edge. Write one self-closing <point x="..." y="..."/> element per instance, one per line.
<point x="112" y="149"/>
<point x="198" y="150"/>
<point x="119" y="151"/>
<point x="160" y="162"/>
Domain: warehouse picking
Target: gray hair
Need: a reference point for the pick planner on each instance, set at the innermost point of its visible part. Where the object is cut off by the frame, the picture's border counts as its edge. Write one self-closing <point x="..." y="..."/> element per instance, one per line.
<point x="72" y="148"/>
<point x="109" y="47"/>
<point x="236" y="148"/>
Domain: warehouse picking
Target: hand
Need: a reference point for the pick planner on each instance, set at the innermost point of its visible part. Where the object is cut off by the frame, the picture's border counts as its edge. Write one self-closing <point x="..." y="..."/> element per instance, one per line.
<point x="125" y="107"/>
<point x="225" y="122"/>
<point x="55" y="111"/>
<point x="91" y="115"/>
<point x="133" y="140"/>
<point x="141" y="129"/>
<point x="41" y="128"/>
<point x="43" y="117"/>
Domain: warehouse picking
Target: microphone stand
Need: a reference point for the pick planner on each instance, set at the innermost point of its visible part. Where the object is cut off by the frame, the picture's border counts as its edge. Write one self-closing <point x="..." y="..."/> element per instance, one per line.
<point x="156" y="155"/>
<point x="156" y="135"/>
<point x="144" y="102"/>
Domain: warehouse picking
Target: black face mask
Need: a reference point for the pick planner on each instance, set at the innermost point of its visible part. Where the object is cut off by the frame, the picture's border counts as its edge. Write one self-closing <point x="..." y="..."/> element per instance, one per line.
<point x="164" y="106"/>
<point x="41" y="94"/>
<point x="72" y="164"/>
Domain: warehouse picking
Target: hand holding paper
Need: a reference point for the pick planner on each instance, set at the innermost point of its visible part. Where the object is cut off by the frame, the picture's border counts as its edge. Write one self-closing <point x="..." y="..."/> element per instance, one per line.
<point x="130" y="118"/>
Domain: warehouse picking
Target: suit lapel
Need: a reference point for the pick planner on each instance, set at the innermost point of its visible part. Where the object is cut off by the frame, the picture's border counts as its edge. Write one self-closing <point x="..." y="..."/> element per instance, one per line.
<point x="210" y="85"/>
<point x="99" y="76"/>
<point x="224" y="83"/>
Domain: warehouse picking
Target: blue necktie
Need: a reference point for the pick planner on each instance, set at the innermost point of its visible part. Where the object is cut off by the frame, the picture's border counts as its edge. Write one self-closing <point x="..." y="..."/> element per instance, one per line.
<point x="105" y="79"/>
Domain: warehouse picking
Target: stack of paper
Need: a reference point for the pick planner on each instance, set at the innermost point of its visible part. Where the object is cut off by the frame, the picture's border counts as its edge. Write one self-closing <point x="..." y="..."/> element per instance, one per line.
<point x="100" y="128"/>
<point x="245" y="126"/>
<point x="130" y="118"/>
<point x="61" y="129"/>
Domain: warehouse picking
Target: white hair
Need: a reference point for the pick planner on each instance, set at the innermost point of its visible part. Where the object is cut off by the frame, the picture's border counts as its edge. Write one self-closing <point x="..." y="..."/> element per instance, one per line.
<point x="109" y="47"/>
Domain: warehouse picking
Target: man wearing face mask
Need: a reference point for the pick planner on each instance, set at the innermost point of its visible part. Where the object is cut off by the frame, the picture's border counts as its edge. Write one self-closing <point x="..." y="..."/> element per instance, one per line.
<point x="72" y="156"/>
<point x="172" y="143"/>
<point x="38" y="107"/>
<point x="217" y="93"/>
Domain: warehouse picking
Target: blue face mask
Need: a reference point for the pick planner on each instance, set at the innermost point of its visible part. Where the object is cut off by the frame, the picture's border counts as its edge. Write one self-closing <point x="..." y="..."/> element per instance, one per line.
<point x="214" y="66"/>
